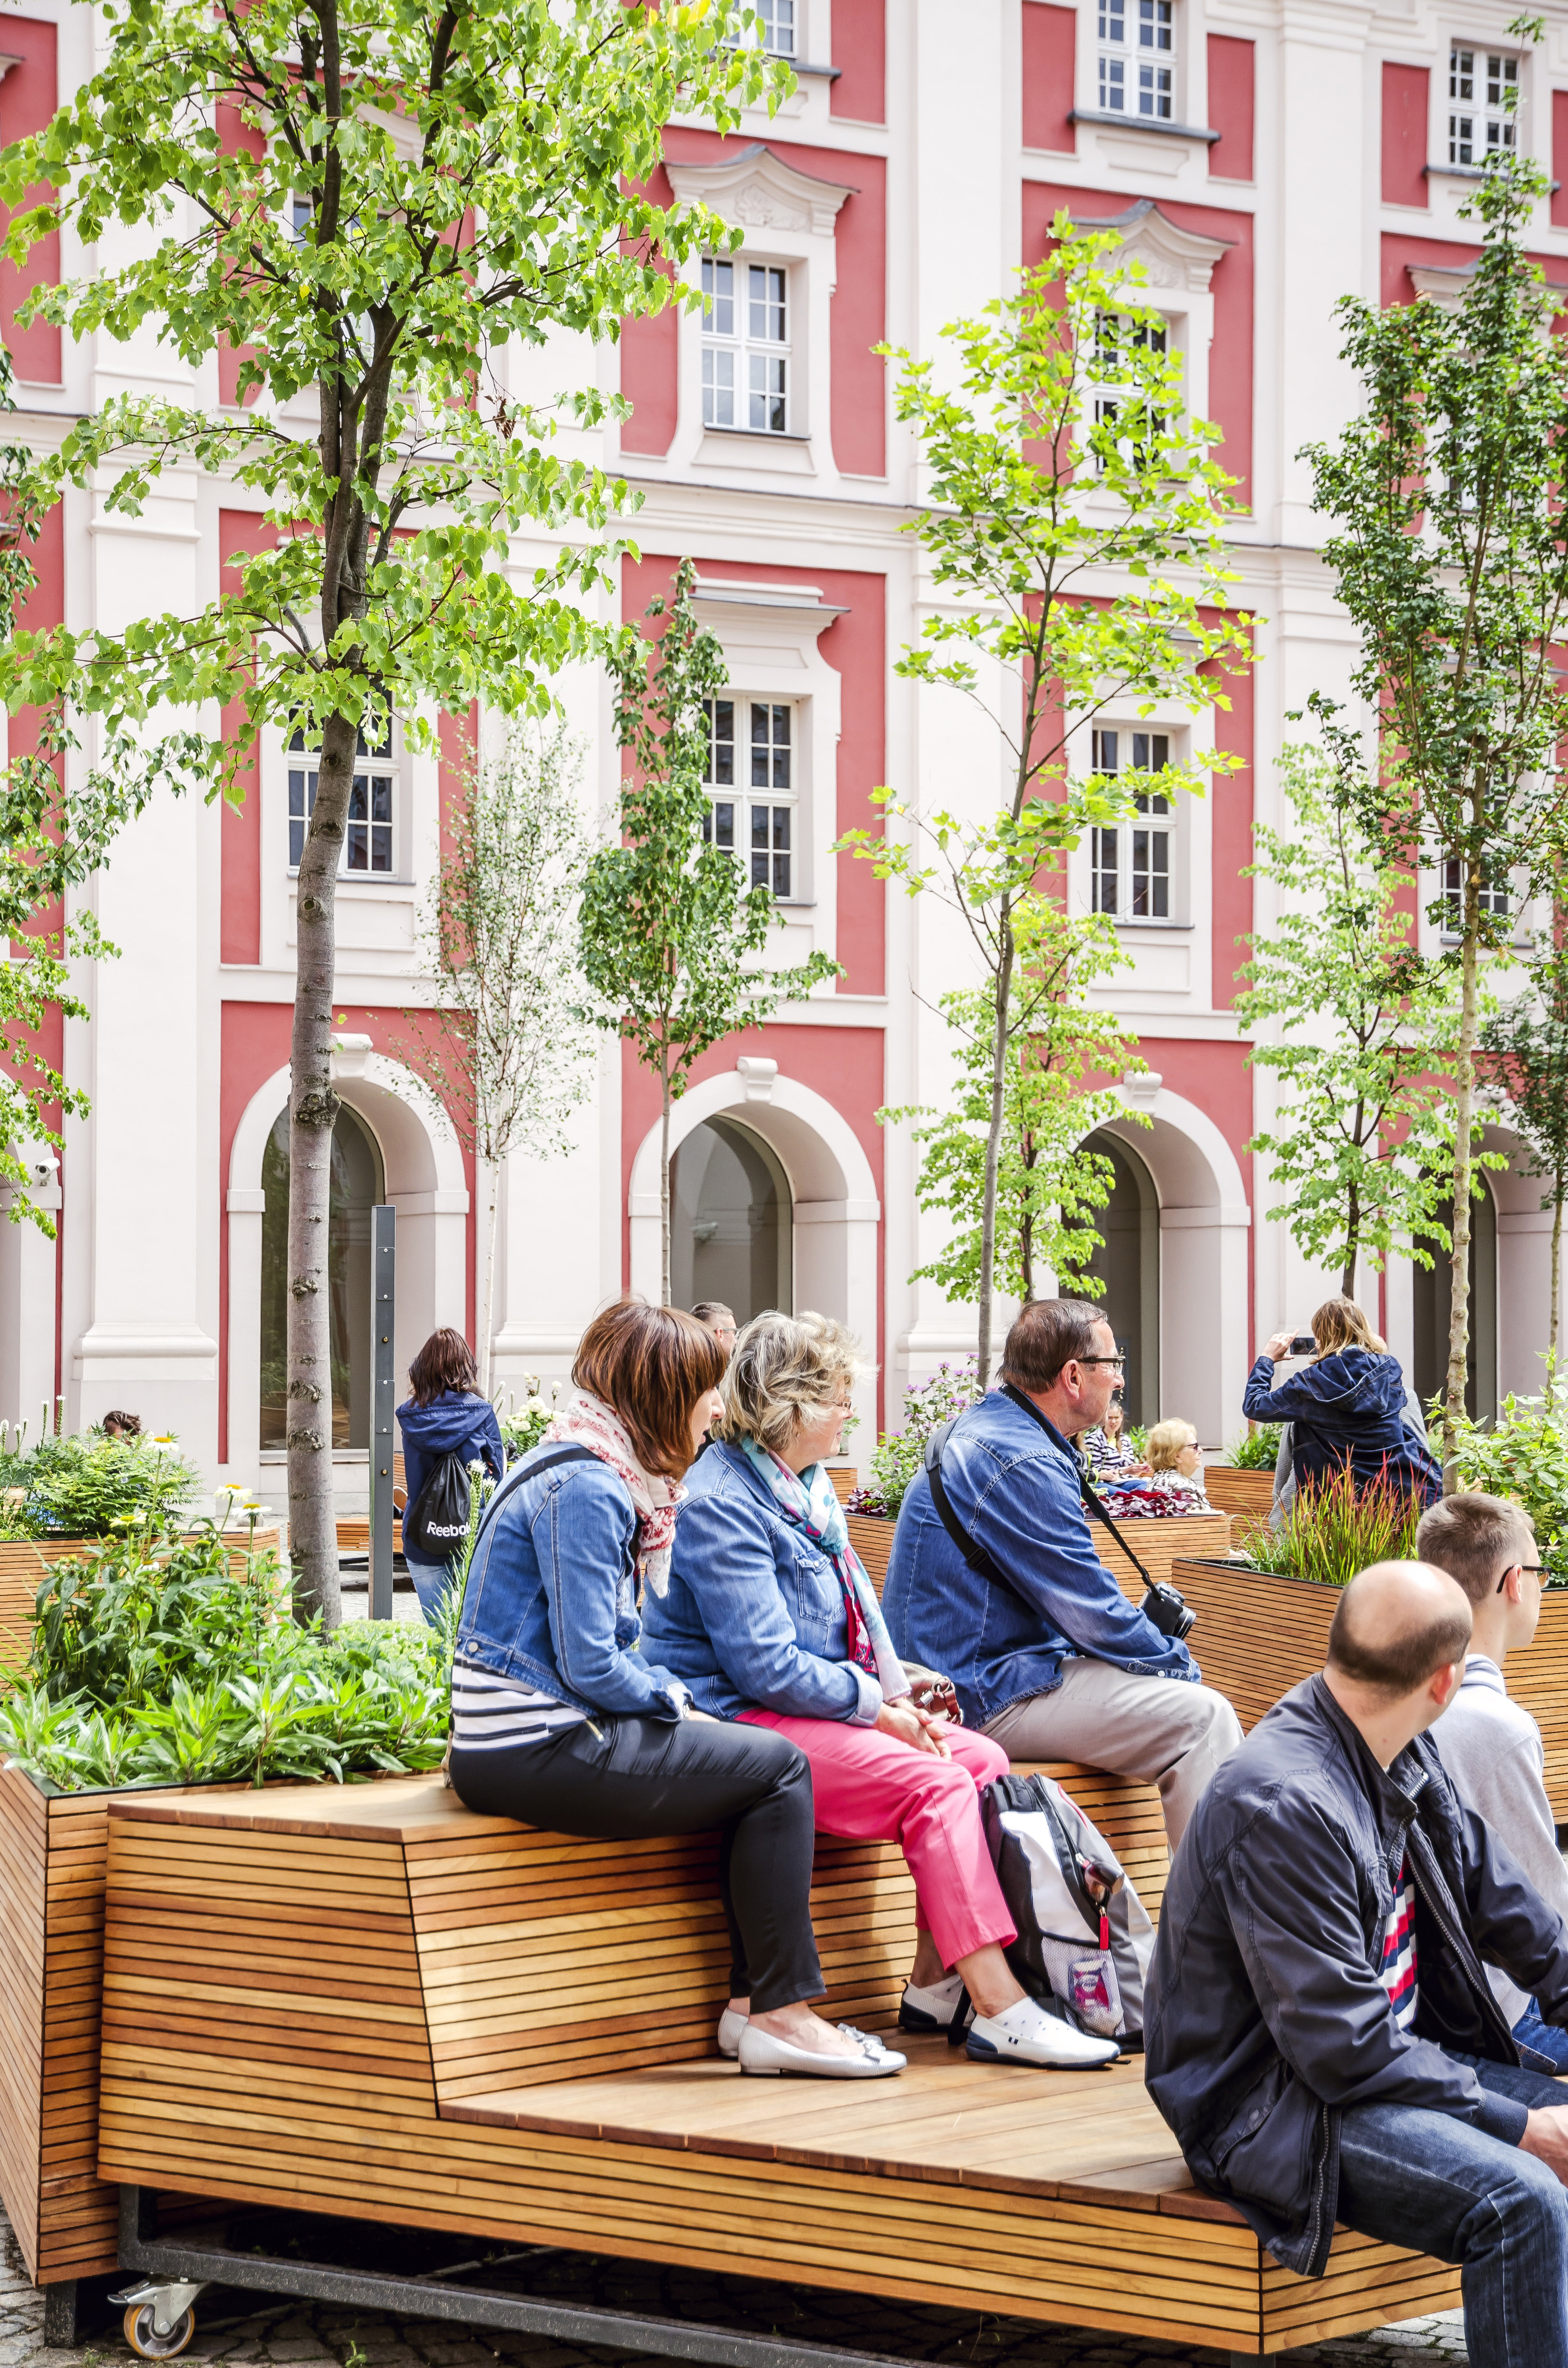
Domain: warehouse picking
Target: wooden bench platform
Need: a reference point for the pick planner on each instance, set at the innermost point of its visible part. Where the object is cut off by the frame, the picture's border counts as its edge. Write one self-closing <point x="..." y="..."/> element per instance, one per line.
<point x="364" y="2002"/>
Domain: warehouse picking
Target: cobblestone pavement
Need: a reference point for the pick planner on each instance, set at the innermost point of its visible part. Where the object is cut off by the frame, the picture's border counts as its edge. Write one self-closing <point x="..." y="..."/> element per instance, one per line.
<point x="284" y="2333"/>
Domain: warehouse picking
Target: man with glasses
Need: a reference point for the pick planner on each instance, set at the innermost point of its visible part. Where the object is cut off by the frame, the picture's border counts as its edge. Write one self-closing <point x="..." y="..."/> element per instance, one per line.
<point x="1490" y="1746"/>
<point x="1013" y="1603"/>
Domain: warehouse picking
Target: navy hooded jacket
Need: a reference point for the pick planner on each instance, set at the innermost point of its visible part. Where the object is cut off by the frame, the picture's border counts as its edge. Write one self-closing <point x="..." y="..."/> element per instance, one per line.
<point x="1348" y="1407"/>
<point x="457" y="1423"/>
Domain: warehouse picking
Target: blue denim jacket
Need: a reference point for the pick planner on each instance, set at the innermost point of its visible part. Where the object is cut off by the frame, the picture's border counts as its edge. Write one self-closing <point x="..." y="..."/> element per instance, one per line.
<point x="755" y="1616"/>
<point x="551" y="1596"/>
<point x="1013" y="1489"/>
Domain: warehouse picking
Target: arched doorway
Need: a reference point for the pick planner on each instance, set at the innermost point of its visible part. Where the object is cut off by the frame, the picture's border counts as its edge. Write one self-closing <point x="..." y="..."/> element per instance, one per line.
<point x="1127" y="1265"/>
<point x="1432" y="1296"/>
<point x="358" y="1183"/>
<point x="731" y="1220"/>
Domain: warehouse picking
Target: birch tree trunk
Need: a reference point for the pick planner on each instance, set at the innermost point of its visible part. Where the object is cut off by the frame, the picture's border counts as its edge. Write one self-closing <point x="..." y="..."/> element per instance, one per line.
<point x="663" y="1184"/>
<point x="313" y="1108"/>
<point x="994" y="1144"/>
<point x="1556" y="1264"/>
<point x="487" y="1178"/>
<point x="1459" y="1313"/>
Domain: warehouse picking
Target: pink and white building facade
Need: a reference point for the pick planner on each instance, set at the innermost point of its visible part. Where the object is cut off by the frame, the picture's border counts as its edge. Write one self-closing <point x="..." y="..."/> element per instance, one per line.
<point x="1264" y="158"/>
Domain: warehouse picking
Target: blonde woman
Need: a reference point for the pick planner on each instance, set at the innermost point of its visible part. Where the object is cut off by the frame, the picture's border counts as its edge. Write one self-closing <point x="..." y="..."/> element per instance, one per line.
<point x="770" y="1620"/>
<point x="1348" y="1407"/>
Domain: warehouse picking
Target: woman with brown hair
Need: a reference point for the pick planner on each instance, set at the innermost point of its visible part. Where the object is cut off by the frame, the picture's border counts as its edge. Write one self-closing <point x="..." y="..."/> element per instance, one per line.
<point x="1348" y="1407"/>
<point x="558" y="1720"/>
<point x="443" y="1415"/>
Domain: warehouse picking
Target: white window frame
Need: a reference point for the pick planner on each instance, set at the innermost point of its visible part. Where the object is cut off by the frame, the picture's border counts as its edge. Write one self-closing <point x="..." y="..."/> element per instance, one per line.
<point x="742" y="805"/>
<point x="380" y="788"/>
<point x="1163" y="337"/>
<point x="1144" y="846"/>
<point x="747" y="365"/>
<point x="1483" y="124"/>
<point x="1135" y="53"/>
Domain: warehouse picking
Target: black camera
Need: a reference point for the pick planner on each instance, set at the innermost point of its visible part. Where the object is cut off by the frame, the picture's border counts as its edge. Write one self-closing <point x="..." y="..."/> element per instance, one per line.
<point x="1168" y="1609"/>
<point x="1302" y="1345"/>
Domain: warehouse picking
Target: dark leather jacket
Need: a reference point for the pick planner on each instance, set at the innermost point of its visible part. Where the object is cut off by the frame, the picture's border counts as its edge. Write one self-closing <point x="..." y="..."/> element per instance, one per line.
<point x="1264" y="2015"/>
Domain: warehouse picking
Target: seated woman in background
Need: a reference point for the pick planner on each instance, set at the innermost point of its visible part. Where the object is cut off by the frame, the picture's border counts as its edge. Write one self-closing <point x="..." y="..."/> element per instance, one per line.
<point x="1173" y="1479"/>
<point x="1110" y="1454"/>
<point x="771" y="1620"/>
<point x="443" y="1415"/>
<point x="1349" y="1406"/>
<point x="559" y="1720"/>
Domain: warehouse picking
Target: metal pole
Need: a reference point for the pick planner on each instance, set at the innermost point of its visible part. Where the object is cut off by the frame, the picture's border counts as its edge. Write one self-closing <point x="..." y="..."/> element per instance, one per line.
<point x="384" y="1442"/>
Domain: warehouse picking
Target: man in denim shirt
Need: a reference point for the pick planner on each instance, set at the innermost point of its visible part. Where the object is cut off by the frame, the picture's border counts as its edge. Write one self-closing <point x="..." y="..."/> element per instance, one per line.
<point x="1053" y="1661"/>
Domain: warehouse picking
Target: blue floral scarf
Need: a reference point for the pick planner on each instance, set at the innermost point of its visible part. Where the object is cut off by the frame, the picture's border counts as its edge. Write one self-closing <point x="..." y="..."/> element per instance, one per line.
<point x="808" y="1502"/>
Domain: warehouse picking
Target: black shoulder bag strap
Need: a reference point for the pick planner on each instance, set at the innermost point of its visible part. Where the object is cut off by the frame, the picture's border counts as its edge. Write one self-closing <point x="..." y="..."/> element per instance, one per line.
<point x="525" y="1469"/>
<point x="976" y="1555"/>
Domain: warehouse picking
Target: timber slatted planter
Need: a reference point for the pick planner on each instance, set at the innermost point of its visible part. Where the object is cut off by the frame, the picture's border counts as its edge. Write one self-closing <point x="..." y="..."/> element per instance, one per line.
<point x="1248" y="1493"/>
<point x="26" y="1564"/>
<point x="1258" y="1635"/>
<point x="1157" y="1545"/>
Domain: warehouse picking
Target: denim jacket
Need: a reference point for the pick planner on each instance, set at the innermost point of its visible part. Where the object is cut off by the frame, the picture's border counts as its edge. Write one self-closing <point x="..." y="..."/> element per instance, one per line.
<point x="551" y="1596"/>
<point x="1013" y="1485"/>
<point x="754" y="1615"/>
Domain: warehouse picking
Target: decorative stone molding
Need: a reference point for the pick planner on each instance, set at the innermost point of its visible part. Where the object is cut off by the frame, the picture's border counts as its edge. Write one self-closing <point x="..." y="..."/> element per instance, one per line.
<point x="757" y="1075"/>
<point x="1172" y="257"/>
<point x="757" y="191"/>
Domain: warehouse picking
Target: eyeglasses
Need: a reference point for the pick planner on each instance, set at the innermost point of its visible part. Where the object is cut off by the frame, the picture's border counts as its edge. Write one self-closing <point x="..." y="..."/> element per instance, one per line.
<point x="1539" y="1568"/>
<point x="1118" y="1362"/>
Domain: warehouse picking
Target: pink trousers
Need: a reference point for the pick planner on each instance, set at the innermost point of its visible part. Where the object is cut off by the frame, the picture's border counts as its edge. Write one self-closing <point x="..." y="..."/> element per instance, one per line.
<point x="871" y="1788"/>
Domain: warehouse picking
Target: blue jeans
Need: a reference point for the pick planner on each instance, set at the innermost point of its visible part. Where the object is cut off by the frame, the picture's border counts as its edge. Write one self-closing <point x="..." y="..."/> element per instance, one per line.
<point x="1544" y="2037"/>
<point x="1423" y="2180"/>
<point x="432" y="1583"/>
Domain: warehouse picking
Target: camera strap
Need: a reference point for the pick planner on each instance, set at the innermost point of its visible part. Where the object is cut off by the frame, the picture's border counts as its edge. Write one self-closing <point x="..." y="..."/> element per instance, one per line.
<point x="976" y="1555"/>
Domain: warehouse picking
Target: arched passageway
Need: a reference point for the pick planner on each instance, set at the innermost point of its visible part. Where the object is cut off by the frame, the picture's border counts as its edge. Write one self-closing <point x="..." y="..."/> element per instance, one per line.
<point x="1127" y="1265"/>
<point x="731" y="1220"/>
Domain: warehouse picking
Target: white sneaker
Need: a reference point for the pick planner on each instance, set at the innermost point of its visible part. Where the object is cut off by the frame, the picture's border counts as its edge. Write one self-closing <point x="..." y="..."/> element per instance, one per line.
<point x="731" y="2026"/>
<point x="760" y="2052"/>
<point x="930" y="2009"/>
<point x="1029" y="2033"/>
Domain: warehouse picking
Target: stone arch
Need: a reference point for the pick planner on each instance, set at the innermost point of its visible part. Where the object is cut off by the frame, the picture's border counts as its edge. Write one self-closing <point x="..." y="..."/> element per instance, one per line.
<point x="425" y="1184"/>
<point x="834" y="1192"/>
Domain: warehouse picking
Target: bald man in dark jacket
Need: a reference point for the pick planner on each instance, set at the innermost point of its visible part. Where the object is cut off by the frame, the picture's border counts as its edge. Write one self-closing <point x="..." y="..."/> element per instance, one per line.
<point x="1321" y="2034"/>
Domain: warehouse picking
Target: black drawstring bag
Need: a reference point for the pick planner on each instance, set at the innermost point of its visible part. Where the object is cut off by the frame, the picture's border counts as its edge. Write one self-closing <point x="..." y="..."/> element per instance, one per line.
<point x="435" y="1523"/>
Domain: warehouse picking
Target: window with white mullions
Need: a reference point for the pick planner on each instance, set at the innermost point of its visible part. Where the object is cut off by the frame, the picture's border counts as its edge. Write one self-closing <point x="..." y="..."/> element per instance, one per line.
<point x="368" y="834"/>
<point x="1483" y="92"/>
<point x="1136" y="58"/>
<point x="1117" y="336"/>
<point x="756" y="825"/>
<point x="745" y="345"/>
<point x="778" y="26"/>
<point x="1132" y="862"/>
<point x="1496" y="894"/>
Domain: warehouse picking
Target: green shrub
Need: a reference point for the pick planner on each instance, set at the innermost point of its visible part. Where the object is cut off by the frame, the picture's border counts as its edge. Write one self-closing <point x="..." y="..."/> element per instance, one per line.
<point x="1256" y="1451"/>
<point x="1525" y="1455"/>
<point x="183" y="1672"/>
<point x="89" y="1486"/>
<point x="523" y="1427"/>
<point x="1334" y="1529"/>
<point x="899" y="1455"/>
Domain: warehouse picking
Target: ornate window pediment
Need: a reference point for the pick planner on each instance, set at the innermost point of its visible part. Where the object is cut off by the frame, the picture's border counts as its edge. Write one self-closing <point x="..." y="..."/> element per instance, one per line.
<point x="1171" y="257"/>
<point x="756" y="190"/>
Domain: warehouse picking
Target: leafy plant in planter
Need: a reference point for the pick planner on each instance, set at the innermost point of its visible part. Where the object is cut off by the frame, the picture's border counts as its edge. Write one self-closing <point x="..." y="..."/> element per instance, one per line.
<point x="88" y="1486"/>
<point x="181" y="1673"/>
<point x="1525" y="1455"/>
<point x="1256" y="1451"/>
<point x="1334" y="1529"/>
<point x="898" y="1455"/>
<point x="522" y="1427"/>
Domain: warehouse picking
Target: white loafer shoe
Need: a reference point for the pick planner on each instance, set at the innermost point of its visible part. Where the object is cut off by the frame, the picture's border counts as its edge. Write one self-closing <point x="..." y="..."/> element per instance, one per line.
<point x="1029" y="2033"/>
<point x="760" y="2052"/>
<point x="931" y="2010"/>
<point x="731" y="2026"/>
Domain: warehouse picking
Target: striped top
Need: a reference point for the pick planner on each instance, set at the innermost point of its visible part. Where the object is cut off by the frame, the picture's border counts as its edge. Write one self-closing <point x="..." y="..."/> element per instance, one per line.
<point x="1397" y="1971"/>
<point x="492" y="1713"/>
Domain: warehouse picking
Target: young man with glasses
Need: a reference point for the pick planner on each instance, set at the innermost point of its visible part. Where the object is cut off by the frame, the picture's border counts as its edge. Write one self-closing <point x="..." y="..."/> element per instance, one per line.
<point x="1490" y="1746"/>
<point x="1046" y="1652"/>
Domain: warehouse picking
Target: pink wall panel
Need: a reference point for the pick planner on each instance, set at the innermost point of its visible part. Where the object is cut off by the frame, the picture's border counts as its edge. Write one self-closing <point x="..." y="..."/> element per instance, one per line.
<point x="648" y="365"/>
<point x="1559" y="158"/>
<point x="1049" y="63"/>
<point x="1406" y="99"/>
<point x="859" y="52"/>
<point x="28" y="100"/>
<point x="1230" y="99"/>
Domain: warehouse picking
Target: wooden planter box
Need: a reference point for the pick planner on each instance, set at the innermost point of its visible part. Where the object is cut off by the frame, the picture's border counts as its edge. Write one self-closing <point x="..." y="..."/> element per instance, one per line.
<point x="1259" y="1635"/>
<point x="1250" y="1494"/>
<point x="872" y="1538"/>
<point x="25" y="1567"/>
<point x="1158" y="1544"/>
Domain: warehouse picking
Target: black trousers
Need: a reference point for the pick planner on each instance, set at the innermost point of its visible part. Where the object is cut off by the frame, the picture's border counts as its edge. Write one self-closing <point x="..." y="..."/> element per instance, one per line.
<point x="643" y="1777"/>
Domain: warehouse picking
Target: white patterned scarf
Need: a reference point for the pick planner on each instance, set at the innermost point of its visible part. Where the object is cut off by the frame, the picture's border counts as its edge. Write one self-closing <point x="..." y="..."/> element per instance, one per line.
<point x="588" y="1422"/>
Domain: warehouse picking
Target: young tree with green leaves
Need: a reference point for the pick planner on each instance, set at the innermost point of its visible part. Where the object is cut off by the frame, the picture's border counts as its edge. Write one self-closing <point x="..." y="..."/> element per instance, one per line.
<point x="1063" y="465"/>
<point x="1523" y="1052"/>
<point x="670" y="932"/>
<point x="1445" y="496"/>
<point x="1049" y="1186"/>
<point x="1363" y="1135"/>
<point x="365" y="203"/>
<point x="505" y="1048"/>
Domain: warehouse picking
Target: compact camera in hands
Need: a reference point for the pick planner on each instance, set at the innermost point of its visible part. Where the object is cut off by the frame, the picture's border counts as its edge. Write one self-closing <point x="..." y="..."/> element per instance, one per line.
<point x="1168" y="1610"/>
<point x="1302" y="1345"/>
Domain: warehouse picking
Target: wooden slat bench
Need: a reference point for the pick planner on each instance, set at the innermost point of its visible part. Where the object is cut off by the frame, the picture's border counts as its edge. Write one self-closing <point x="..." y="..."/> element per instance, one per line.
<point x="370" y="2003"/>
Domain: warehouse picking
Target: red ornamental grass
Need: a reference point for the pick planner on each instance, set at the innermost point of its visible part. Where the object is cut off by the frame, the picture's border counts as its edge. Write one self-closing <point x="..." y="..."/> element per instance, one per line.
<point x="1335" y="1528"/>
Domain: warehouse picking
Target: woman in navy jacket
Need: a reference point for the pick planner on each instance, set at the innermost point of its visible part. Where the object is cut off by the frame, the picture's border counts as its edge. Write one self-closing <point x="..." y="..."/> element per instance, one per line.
<point x="1346" y="1407"/>
<point x="443" y="1415"/>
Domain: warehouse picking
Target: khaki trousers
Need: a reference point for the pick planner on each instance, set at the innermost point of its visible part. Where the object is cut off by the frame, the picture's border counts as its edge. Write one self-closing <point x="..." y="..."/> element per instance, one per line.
<point x="1157" y="1729"/>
